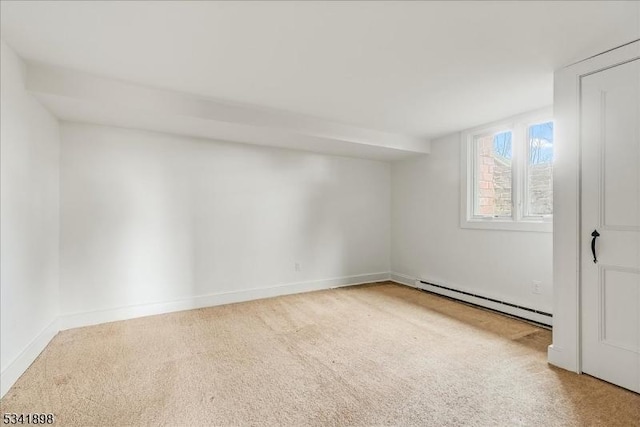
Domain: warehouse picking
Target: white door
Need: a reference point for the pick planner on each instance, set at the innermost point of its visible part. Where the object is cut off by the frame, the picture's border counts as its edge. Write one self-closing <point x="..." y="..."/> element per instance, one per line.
<point x="610" y="184"/>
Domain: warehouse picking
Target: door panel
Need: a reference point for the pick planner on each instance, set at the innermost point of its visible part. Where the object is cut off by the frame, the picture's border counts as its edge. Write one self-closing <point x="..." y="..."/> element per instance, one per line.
<point x="620" y="166"/>
<point x="618" y="307"/>
<point x="610" y="191"/>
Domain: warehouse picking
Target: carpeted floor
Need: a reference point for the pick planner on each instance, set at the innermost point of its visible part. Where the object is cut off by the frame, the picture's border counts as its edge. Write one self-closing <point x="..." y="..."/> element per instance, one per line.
<point x="364" y="355"/>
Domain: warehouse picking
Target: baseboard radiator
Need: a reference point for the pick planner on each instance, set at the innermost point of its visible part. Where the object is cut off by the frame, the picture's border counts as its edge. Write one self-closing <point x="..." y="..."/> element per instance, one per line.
<point x="529" y="314"/>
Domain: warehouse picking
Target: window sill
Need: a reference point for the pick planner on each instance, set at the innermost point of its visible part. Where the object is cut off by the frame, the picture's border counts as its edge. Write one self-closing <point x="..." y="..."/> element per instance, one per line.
<point x="502" y="224"/>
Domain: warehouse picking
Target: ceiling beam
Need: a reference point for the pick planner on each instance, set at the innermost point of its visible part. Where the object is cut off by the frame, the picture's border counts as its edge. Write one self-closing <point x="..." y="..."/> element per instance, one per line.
<point x="77" y="96"/>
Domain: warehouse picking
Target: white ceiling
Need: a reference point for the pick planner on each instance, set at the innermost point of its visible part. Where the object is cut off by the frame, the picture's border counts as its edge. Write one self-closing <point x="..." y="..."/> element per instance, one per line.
<point x="416" y="68"/>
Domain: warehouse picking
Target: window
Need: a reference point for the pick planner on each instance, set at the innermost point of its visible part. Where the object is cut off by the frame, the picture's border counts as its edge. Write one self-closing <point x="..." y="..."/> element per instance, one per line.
<point x="539" y="183"/>
<point x="507" y="174"/>
<point x="493" y="175"/>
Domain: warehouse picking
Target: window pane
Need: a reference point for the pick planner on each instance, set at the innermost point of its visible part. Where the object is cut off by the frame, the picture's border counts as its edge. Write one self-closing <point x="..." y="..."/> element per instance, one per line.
<point x="540" y="169"/>
<point x="493" y="174"/>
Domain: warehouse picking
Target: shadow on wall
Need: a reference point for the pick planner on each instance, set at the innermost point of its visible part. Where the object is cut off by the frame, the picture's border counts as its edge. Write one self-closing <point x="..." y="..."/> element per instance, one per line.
<point x="151" y="218"/>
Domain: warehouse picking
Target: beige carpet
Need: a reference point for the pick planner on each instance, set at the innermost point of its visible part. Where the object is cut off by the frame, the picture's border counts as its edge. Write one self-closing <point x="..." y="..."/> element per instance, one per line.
<point x="364" y="355"/>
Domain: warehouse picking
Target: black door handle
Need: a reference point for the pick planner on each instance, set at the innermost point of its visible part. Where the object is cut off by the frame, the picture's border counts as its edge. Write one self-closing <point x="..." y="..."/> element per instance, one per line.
<point x="595" y="235"/>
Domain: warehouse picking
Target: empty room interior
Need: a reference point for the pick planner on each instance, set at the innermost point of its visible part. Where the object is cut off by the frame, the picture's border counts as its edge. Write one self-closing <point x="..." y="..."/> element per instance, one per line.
<point x="320" y="213"/>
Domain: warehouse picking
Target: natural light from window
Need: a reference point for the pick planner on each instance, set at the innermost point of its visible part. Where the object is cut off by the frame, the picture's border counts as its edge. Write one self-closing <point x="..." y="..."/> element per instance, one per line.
<point x="493" y="174"/>
<point x="540" y="170"/>
<point x="508" y="174"/>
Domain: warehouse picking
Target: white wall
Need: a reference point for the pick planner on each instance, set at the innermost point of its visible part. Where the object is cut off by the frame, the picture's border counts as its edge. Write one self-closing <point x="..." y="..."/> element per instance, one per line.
<point x="149" y="218"/>
<point x="428" y="243"/>
<point x="29" y="238"/>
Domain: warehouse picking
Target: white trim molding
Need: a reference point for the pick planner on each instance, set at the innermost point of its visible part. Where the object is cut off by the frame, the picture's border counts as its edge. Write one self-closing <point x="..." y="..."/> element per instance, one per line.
<point x="29" y="354"/>
<point x="565" y="352"/>
<point x="403" y="279"/>
<point x="76" y="320"/>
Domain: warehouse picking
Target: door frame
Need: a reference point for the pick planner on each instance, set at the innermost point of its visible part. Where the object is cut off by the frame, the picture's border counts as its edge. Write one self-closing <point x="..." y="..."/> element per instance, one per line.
<point x="565" y="352"/>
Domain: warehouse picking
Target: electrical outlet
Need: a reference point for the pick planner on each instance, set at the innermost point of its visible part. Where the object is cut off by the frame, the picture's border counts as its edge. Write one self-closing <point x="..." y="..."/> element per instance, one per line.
<point x="297" y="266"/>
<point x="536" y="287"/>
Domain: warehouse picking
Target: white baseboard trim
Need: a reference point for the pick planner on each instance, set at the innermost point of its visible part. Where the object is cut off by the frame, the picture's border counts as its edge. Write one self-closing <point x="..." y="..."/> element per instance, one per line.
<point x="561" y="359"/>
<point x="403" y="279"/>
<point x="19" y="365"/>
<point x="76" y="320"/>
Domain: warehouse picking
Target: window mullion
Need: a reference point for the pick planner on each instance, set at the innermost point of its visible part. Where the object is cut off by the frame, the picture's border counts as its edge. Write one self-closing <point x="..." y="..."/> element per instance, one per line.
<point x="515" y="171"/>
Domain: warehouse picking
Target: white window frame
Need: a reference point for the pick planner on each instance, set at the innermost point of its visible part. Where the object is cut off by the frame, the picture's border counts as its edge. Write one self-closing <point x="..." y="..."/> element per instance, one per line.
<point x="518" y="125"/>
